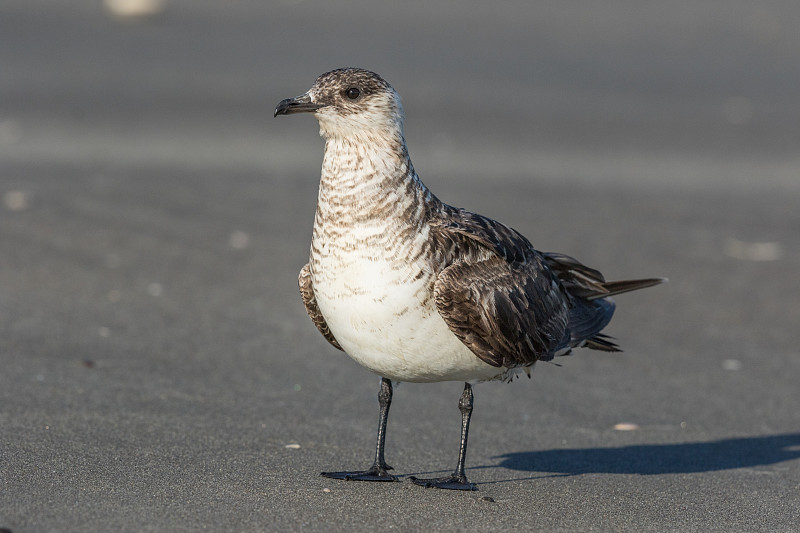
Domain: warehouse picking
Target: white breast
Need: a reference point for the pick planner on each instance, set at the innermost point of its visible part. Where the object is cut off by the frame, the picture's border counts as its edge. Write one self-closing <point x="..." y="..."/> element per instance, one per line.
<point x="380" y="308"/>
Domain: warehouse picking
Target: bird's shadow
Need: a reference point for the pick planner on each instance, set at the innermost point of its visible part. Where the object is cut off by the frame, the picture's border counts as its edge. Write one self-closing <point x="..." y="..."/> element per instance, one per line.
<point x="653" y="459"/>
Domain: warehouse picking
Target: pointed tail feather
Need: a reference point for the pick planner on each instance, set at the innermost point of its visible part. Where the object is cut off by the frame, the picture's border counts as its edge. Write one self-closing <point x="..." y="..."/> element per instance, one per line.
<point x="618" y="287"/>
<point x="602" y="342"/>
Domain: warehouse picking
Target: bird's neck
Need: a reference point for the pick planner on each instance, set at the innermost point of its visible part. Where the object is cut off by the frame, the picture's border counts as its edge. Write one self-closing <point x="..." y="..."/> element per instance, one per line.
<point x="365" y="177"/>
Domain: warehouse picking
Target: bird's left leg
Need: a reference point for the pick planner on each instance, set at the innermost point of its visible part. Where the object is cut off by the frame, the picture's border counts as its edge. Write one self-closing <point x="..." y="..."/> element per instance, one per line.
<point x="458" y="479"/>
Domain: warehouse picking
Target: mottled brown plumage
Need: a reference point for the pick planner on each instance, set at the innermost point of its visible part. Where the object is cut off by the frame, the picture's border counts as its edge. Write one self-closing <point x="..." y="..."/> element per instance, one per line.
<point x="416" y="290"/>
<point x="310" y="301"/>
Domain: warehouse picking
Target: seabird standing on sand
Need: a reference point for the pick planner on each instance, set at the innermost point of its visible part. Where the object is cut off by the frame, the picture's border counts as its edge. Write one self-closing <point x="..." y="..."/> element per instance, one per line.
<point x="416" y="290"/>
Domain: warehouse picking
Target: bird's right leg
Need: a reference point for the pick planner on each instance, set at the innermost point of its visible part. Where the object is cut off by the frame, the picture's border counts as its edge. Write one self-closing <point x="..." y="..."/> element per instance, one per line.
<point x="379" y="471"/>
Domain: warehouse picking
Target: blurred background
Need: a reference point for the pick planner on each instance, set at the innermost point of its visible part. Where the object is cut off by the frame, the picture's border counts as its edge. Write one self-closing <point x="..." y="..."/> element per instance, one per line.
<point x="159" y="372"/>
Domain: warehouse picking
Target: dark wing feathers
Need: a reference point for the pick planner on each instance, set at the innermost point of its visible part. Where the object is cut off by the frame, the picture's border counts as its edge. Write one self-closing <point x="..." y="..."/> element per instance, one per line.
<point x="505" y="305"/>
<point x="499" y="238"/>
<point x="310" y="301"/>
<point x="508" y="314"/>
<point x="584" y="282"/>
<point x="520" y="305"/>
<point x="578" y="279"/>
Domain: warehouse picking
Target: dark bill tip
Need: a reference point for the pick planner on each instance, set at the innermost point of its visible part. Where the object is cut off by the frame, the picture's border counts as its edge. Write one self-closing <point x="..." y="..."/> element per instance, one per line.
<point x="301" y="104"/>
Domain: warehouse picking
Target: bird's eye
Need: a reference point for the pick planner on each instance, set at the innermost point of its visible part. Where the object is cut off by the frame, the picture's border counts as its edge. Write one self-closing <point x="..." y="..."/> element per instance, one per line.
<point x="352" y="93"/>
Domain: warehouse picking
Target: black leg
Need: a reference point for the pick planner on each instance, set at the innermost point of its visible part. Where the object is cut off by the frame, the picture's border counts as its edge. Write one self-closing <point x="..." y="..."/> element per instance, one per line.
<point x="458" y="479"/>
<point x="379" y="469"/>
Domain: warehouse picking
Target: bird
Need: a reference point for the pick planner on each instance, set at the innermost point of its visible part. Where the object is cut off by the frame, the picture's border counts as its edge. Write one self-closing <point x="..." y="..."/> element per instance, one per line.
<point x="416" y="290"/>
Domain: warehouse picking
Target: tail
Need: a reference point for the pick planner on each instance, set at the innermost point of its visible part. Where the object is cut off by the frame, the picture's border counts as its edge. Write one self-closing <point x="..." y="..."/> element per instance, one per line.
<point x="592" y="308"/>
<point x="611" y="288"/>
<point x="588" y="283"/>
<point x="603" y="343"/>
<point x="606" y="343"/>
<point x="589" y="316"/>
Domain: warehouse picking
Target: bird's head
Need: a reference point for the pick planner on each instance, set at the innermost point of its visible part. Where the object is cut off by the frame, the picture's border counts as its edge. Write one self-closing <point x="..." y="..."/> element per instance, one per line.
<point x="349" y="102"/>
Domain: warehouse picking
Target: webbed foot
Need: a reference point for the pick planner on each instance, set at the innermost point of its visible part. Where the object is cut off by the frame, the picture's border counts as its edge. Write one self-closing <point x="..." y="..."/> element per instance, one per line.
<point x="452" y="482"/>
<point x="375" y="473"/>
